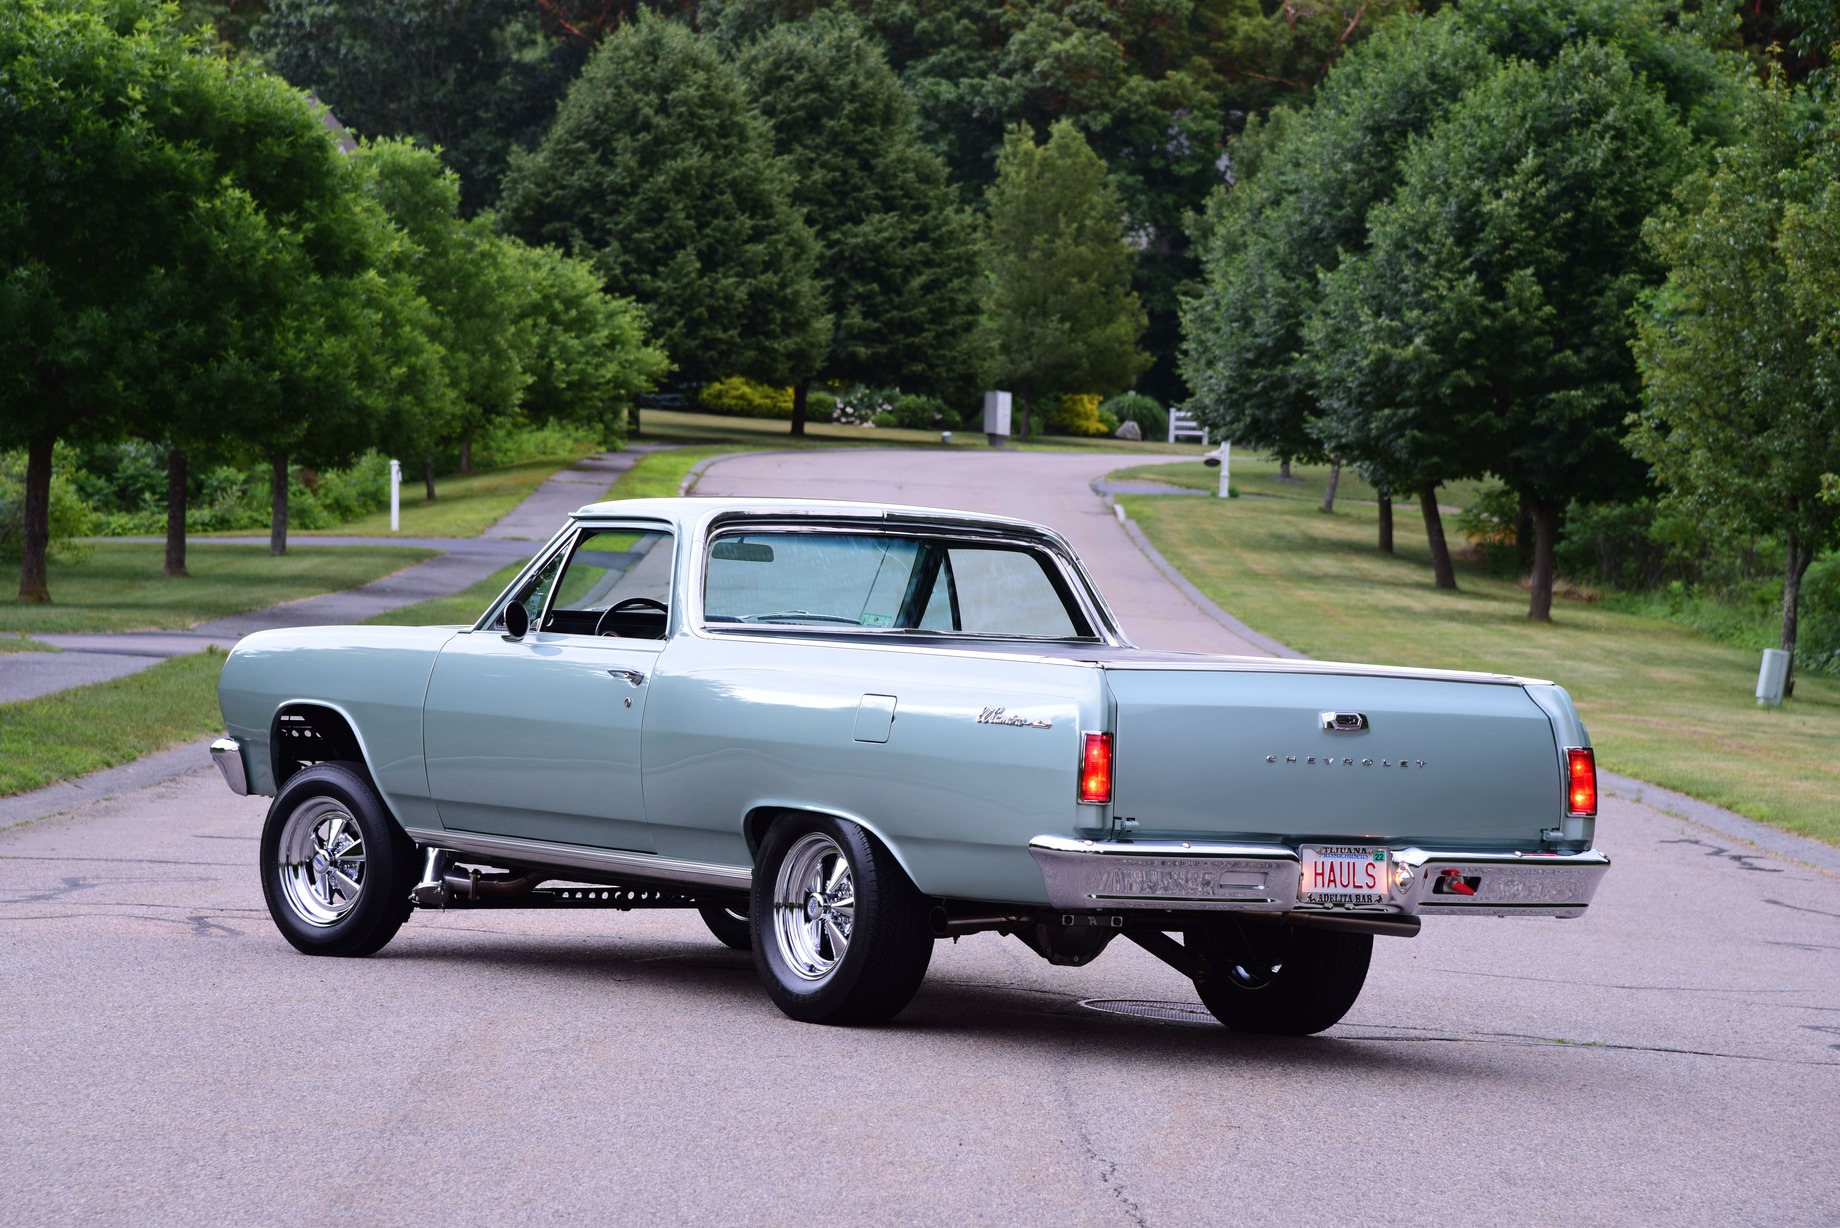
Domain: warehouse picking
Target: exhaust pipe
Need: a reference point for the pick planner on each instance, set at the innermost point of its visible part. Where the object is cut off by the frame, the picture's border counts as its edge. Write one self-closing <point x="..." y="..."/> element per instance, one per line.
<point x="946" y="925"/>
<point x="475" y="886"/>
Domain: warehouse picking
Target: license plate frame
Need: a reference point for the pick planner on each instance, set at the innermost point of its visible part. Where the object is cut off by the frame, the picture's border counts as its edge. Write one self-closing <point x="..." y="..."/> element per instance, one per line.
<point x="1344" y="875"/>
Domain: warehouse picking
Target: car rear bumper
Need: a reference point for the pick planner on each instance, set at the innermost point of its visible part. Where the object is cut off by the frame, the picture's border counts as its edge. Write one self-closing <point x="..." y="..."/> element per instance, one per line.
<point x="1201" y="876"/>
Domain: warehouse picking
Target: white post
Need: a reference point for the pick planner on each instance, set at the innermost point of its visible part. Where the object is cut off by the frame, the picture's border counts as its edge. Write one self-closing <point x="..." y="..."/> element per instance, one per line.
<point x="1226" y="448"/>
<point x="395" y="496"/>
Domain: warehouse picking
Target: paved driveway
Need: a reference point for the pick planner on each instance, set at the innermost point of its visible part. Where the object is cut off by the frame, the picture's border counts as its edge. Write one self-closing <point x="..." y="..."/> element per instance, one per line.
<point x="166" y="1058"/>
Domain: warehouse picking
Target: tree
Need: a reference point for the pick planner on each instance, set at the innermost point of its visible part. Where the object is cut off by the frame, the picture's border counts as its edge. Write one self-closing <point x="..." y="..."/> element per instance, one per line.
<point x="659" y="172"/>
<point x="898" y="258"/>
<point x="584" y="353"/>
<point x="1740" y="348"/>
<point x="473" y="78"/>
<point x="1302" y="208"/>
<point x="154" y="204"/>
<point x="1063" y="315"/>
<point x="1485" y="330"/>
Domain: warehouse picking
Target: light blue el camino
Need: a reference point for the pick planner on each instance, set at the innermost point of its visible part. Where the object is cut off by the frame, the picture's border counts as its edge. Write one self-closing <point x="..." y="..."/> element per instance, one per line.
<point x="843" y="731"/>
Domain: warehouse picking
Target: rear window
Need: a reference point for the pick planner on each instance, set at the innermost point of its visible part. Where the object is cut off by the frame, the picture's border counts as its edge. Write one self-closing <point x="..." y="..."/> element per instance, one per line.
<point x="881" y="582"/>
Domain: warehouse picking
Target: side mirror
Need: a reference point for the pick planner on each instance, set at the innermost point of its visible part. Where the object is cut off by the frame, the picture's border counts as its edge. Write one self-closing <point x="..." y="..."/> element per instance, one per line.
<point x="517" y="621"/>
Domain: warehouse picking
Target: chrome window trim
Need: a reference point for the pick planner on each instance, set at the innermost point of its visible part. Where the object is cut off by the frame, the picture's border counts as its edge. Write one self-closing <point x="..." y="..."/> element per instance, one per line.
<point x="564" y="541"/>
<point x="1044" y="543"/>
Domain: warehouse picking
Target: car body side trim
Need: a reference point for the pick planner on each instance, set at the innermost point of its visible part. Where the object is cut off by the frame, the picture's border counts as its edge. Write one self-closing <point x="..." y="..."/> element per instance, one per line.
<point x="648" y="866"/>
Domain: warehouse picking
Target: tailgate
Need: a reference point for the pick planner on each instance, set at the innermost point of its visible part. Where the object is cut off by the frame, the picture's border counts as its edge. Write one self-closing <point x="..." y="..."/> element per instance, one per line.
<point x="1246" y="755"/>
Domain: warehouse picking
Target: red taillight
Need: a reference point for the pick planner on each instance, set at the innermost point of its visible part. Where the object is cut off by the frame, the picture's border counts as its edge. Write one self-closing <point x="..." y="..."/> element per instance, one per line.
<point x="1096" y="769"/>
<point x="1581" y="780"/>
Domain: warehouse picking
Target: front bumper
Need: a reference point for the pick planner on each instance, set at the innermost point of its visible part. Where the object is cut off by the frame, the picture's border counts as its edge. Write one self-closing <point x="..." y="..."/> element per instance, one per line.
<point x="1200" y="876"/>
<point x="227" y="754"/>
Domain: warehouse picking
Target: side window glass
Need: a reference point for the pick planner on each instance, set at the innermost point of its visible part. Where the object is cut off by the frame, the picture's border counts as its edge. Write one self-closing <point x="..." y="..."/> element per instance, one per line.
<point x="617" y="582"/>
<point x="808" y="579"/>
<point x="1006" y="592"/>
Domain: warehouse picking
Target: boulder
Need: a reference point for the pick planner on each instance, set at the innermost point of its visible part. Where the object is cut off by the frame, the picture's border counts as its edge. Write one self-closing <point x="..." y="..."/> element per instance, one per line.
<point x="1129" y="430"/>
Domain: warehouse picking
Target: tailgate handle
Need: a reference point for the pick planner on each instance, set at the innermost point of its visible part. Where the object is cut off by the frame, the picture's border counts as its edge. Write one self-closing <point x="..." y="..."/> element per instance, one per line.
<point x="1344" y="722"/>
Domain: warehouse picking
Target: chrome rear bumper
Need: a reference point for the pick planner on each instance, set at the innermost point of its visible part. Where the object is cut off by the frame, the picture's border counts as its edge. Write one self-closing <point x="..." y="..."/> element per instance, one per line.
<point x="227" y="754"/>
<point x="1201" y="876"/>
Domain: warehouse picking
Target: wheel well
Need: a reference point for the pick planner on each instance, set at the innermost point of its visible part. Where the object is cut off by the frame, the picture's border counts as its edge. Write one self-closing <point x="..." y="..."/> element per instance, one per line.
<point x="305" y="734"/>
<point x="754" y="827"/>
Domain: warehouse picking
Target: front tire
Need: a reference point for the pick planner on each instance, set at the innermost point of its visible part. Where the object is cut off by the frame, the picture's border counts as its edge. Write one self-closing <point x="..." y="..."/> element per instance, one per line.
<point x="336" y="869"/>
<point x="1280" y="980"/>
<point x="840" y="933"/>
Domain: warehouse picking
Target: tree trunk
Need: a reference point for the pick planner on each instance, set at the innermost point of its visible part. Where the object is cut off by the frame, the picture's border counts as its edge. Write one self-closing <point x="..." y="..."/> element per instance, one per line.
<point x="1545" y="538"/>
<point x="1028" y="412"/>
<point x="1434" y="534"/>
<point x="801" y="393"/>
<point x="1335" y="478"/>
<point x="428" y="475"/>
<point x="278" y="503"/>
<point x="466" y="452"/>
<point x="1284" y="468"/>
<point x="632" y="417"/>
<point x="175" y="512"/>
<point x="34" y="587"/>
<point x="1386" y="520"/>
<point x="1795" y="566"/>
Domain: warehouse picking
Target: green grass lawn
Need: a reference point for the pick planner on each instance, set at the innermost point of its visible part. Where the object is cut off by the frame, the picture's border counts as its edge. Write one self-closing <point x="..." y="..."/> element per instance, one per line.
<point x="1664" y="704"/>
<point x="463" y="506"/>
<point x="20" y="643"/>
<point x="672" y="426"/>
<point x="119" y="587"/>
<point x="86" y="729"/>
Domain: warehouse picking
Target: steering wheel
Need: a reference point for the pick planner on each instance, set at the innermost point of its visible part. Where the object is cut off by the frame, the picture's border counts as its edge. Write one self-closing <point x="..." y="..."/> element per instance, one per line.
<point x="642" y="603"/>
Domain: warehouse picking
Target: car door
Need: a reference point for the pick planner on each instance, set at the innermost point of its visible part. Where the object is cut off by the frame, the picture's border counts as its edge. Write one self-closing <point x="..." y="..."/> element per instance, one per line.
<point x="537" y="737"/>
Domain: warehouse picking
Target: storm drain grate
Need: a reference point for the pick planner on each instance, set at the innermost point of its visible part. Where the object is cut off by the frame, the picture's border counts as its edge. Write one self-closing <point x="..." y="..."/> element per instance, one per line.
<point x="1169" y="1012"/>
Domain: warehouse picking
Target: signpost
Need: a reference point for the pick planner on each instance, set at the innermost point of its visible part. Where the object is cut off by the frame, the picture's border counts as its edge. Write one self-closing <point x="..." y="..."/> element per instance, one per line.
<point x="395" y="496"/>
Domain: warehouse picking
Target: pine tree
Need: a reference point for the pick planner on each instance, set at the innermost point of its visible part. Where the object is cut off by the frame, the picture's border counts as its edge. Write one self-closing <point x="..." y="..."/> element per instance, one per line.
<point x="1063" y="315"/>
<point x="899" y="257"/>
<point x="658" y="171"/>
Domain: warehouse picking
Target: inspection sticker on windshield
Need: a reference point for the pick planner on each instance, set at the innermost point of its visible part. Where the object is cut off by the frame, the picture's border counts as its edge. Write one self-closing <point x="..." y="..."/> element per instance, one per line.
<point x="1343" y="874"/>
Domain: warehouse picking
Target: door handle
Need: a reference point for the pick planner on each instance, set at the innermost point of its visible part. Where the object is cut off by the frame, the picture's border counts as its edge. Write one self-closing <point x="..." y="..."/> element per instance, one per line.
<point x="631" y="675"/>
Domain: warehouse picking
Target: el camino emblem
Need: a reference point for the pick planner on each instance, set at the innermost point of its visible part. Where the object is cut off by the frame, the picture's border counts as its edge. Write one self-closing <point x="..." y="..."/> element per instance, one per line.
<point x="1002" y="716"/>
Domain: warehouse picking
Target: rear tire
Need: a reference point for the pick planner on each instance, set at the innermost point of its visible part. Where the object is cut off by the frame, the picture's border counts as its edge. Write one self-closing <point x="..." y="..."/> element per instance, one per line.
<point x="840" y="933"/>
<point x="336" y="869"/>
<point x="729" y="925"/>
<point x="1284" y="981"/>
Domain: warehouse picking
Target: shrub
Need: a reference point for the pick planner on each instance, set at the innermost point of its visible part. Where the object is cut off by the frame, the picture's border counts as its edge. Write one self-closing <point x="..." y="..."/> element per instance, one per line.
<point x="70" y="516"/>
<point x="857" y="404"/>
<point x="820" y="406"/>
<point x="1489" y="525"/>
<point x="884" y="420"/>
<point x="924" y="414"/>
<point x="1817" y="636"/>
<point x="1108" y="420"/>
<point x="1147" y="412"/>
<point x="1077" y="414"/>
<point x="744" y="397"/>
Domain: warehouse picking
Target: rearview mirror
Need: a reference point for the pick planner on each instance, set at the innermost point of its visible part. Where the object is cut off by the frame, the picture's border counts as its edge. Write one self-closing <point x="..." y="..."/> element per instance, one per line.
<point x="742" y="552"/>
<point x="517" y="621"/>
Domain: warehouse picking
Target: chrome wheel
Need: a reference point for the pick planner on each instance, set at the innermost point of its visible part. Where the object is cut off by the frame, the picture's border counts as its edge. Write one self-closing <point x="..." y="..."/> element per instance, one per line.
<point x="321" y="861"/>
<point x="814" y="906"/>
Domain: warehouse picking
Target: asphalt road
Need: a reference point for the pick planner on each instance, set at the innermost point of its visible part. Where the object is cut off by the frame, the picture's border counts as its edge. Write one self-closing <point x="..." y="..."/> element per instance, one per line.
<point x="166" y="1058"/>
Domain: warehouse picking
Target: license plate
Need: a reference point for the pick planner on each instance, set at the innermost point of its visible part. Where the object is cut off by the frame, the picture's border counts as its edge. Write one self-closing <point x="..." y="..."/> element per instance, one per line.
<point x="1344" y="874"/>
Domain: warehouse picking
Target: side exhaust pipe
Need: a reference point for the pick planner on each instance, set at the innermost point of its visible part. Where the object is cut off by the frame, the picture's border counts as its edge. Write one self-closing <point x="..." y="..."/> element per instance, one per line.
<point x="948" y="925"/>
